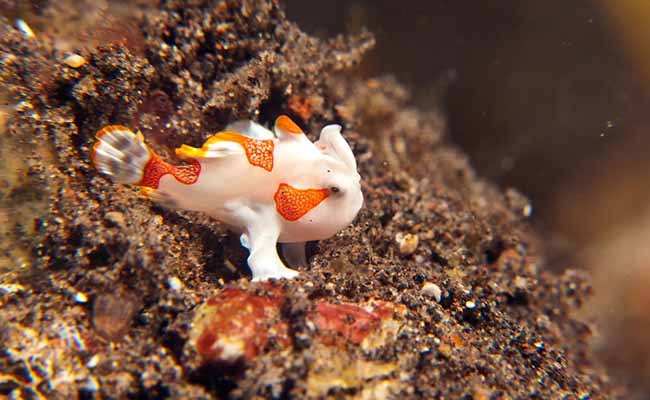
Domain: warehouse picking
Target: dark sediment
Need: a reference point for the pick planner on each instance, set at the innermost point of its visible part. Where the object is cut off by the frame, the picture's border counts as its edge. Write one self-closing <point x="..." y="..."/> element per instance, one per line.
<point x="504" y="328"/>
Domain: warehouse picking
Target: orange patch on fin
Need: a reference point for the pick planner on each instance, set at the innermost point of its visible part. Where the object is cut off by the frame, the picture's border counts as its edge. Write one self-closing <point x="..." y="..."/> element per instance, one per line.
<point x="286" y="124"/>
<point x="293" y="203"/>
<point x="156" y="168"/>
<point x="258" y="152"/>
<point x="186" y="151"/>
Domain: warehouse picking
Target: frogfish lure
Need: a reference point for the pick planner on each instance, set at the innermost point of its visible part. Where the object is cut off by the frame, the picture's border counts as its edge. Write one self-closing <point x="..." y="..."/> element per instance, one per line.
<point x="272" y="187"/>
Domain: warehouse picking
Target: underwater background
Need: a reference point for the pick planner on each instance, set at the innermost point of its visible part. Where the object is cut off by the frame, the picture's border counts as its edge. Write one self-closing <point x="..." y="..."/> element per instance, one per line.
<point x="501" y="251"/>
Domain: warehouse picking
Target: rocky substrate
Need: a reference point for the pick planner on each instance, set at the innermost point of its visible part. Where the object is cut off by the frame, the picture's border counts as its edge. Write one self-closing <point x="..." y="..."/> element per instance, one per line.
<point x="435" y="291"/>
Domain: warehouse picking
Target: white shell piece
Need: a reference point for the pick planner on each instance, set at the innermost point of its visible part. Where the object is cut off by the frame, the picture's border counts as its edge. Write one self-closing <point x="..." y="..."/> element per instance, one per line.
<point x="25" y="28"/>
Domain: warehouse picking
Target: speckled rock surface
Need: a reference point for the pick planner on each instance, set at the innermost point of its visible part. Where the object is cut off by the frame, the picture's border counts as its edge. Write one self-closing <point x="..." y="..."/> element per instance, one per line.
<point x="99" y="287"/>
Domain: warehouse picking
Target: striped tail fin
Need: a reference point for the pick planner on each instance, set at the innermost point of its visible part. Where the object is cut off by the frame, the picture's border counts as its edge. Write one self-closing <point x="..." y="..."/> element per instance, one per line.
<point x="121" y="154"/>
<point x="124" y="156"/>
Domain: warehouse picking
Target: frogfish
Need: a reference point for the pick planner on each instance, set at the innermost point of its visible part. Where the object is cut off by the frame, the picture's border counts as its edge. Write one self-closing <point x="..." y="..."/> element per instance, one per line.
<point x="271" y="187"/>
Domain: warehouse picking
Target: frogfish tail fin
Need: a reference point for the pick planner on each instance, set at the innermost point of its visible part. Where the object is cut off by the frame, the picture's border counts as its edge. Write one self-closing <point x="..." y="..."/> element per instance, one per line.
<point x="121" y="154"/>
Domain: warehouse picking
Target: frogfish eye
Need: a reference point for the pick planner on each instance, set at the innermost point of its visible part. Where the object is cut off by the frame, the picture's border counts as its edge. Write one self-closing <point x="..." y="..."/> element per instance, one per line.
<point x="335" y="189"/>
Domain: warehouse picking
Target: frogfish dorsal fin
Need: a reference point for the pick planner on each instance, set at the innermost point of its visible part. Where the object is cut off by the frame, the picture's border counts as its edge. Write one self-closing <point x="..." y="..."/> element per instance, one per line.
<point x="251" y="129"/>
<point x="286" y="129"/>
<point x="259" y="152"/>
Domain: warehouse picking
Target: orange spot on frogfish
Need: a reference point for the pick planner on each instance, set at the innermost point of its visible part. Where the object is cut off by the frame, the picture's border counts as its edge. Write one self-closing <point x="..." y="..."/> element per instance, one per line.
<point x="156" y="168"/>
<point x="292" y="203"/>
<point x="258" y="152"/>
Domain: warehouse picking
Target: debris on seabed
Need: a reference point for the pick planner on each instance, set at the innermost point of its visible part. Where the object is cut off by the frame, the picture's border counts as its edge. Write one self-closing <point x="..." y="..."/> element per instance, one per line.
<point x="94" y="360"/>
<point x="80" y="297"/>
<point x="113" y="313"/>
<point x="9" y="288"/>
<point x="520" y="283"/>
<point x="116" y="218"/>
<point x="25" y="29"/>
<point x="174" y="283"/>
<point x="407" y="243"/>
<point x="74" y="61"/>
<point x="432" y="290"/>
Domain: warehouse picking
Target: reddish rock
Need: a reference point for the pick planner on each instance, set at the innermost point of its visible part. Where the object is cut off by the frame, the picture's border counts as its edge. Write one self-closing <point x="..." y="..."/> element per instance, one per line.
<point x="235" y="325"/>
<point x="352" y="322"/>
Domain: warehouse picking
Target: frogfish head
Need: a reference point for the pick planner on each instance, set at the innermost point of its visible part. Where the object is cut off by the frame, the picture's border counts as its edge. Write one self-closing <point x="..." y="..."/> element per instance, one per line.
<point x="337" y="173"/>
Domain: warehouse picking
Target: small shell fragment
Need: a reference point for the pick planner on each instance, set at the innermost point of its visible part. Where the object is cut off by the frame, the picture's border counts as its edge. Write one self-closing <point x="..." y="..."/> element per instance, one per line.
<point x="407" y="243"/>
<point x="174" y="283"/>
<point x="74" y="61"/>
<point x="94" y="360"/>
<point x="25" y="29"/>
<point x="9" y="288"/>
<point x="432" y="290"/>
<point x="520" y="283"/>
<point x="115" y="218"/>
<point x="80" y="297"/>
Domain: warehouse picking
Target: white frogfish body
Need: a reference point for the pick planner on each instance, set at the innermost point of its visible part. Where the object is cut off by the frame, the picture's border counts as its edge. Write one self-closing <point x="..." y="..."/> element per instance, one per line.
<point x="270" y="187"/>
